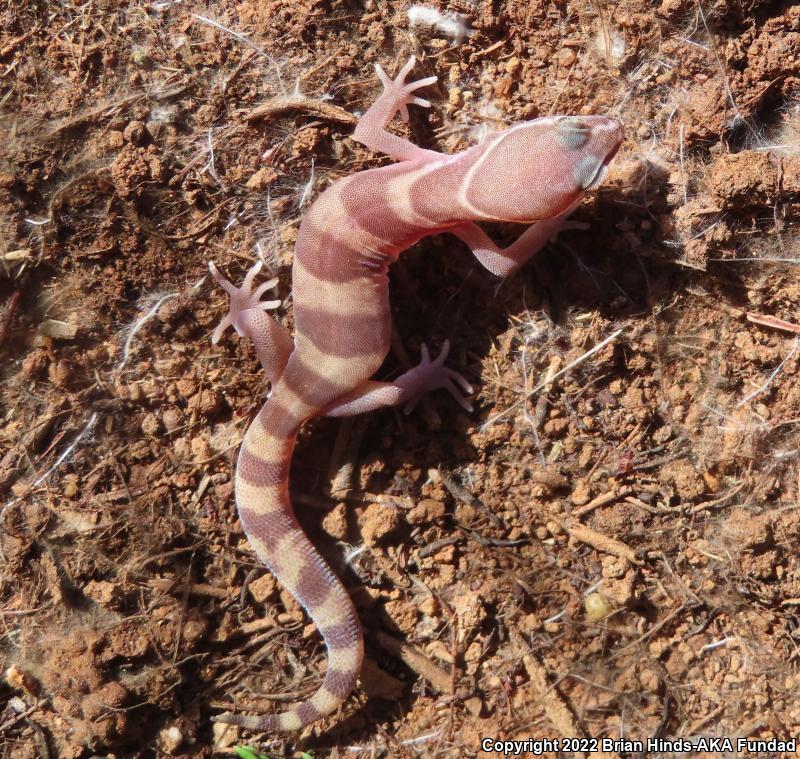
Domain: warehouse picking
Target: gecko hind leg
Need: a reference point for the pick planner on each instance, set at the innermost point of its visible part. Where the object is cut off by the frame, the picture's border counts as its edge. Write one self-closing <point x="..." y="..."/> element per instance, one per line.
<point x="407" y="389"/>
<point x="272" y="342"/>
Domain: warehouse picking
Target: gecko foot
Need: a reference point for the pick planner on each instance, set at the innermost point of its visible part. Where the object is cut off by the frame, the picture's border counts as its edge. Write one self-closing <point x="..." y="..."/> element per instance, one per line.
<point x="399" y="91"/>
<point x="242" y="298"/>
<point x="430" y="375"/>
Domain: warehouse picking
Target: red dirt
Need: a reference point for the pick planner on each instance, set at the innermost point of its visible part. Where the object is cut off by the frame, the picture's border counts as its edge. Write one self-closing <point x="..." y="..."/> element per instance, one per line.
<point x="660" y="472"/>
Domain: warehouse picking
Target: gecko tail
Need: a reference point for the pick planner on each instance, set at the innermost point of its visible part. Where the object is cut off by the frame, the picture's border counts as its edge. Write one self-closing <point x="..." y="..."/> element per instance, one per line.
<point x="265" y="511"/>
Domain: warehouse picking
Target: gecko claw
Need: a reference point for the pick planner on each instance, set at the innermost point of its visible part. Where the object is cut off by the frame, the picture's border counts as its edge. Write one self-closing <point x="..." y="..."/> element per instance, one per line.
<point x="242" y="298"/>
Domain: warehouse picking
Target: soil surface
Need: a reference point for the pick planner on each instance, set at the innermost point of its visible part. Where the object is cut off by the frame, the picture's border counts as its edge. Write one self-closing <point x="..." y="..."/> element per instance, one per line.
<point x="606" y="547"/>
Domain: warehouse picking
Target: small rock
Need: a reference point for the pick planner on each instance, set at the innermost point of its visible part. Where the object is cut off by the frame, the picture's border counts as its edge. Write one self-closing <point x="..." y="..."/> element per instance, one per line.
<point x="112" y="695"/>
<point x="150" y="424"/>
<point x="597" y="607"/>
<point x="263" y="588"/>
<point x="106" y="594"/>
<point x="172" y="419"/>
<point x="135" y="132"/>
<point x="454" y="96"/>
<point x="206" y="403"/>
<point x="556" y="427"/>
<point x="503" y="86"/>
<point x="465" y="513"/>
<point x="566" y="57"/>
<point x="134" y="392"/>
<point x="186" y="387"/>
<point x="171" y="310"/>
<point x="403" y="614"/>
<point x="262" y="179"/>
<point x="550" y="478"/>
<point x="445" y="555"/>
<point x="474" y="652"/>
<point x="182" y="448"/>
<point x="614" y="567"/>
<point x="650" y="680"/>
<point x="71" y="487"/>
<point x="581" y="494"/>
<point x="474" y="706"/>
<point x="470" y="610"/>
<point x="155" y="128"/>
<point x="554" y="528"/>
<point x="224" y="736"/>
<point x="426" y="511"/>
<point x="684" y="477"/>
<point x="35" y="363"/>
<point x="170" y="739"/>
<point x="201" y="450"/>
<point x="429" y="606"/>
<point x="57" y="329"/>
<point x="378" y="520"/>
<point x="532" y="623"/>
<point x="335" y="522"/>
<point x="18" y="705"/>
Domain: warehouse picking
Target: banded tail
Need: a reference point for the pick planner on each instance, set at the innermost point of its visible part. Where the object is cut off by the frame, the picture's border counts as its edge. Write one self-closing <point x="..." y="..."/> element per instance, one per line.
<point x="265" y="511"/>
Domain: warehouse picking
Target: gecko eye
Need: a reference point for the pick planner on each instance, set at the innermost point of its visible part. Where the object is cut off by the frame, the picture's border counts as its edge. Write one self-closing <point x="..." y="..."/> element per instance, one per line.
<point x="589" y="172"/>
<point x="571" y="132"/>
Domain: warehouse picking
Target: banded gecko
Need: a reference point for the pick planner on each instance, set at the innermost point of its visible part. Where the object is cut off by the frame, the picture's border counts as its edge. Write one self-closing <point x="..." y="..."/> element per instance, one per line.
<point x="535" y="173"/>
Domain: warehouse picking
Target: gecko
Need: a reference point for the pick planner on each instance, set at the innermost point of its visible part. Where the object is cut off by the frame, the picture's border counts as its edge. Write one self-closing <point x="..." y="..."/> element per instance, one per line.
<point x="535" y="173"/>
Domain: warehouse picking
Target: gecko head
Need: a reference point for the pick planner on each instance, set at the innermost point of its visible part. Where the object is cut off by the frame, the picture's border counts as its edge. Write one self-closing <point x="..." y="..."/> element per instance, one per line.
<point x="542" y="168"/>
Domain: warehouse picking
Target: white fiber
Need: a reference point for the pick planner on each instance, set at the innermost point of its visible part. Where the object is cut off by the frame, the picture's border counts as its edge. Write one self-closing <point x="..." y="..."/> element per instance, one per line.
<point x="447" y="23"/>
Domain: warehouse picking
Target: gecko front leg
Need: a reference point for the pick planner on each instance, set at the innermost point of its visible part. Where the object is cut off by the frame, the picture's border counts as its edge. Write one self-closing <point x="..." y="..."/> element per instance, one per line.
<point x="505" y="261"/>
<point x="397" y="96"/>
<point x="246" y="315"/>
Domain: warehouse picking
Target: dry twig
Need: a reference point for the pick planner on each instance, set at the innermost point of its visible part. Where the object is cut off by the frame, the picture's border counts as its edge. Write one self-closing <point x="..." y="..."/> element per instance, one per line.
<point x="287" y="103"/>
<point x="599" y="541"/>
<point x="773" y="321"/>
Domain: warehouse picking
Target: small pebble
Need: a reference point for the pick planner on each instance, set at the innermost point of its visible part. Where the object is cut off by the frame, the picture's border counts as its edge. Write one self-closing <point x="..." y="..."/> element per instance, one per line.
<point x="597" y="607"/>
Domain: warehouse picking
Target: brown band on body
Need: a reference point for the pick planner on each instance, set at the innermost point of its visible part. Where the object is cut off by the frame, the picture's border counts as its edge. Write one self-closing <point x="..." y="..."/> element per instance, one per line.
<point x="333" y="335"/>
<point x="270" y="528"/>
<point x="312" y="587"/>
<point x="340" y="636"/>
<point x="311" y="388"/>
<point x="260" y="473"/>
<point x="340" y="683"/>
<point x="331" y="260"/>
<point x="307" y="713"/>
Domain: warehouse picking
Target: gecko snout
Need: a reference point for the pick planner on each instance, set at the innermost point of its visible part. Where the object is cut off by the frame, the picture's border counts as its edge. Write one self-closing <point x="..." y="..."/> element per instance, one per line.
<point x="606" y="134"/>
<point x="609" y="132"/>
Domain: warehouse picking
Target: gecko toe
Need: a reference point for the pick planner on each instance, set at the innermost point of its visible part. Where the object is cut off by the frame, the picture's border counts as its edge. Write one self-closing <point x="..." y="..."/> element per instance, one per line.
<point x="404" y="72"/>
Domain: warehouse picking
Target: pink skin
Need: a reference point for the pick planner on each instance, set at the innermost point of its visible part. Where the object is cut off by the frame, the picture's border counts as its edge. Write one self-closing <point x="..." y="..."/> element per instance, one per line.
<point x="246" y="315"/>
<point x="542" y="193"/>
<point x="535" y="173"/>
<point x="274" y="345"/>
